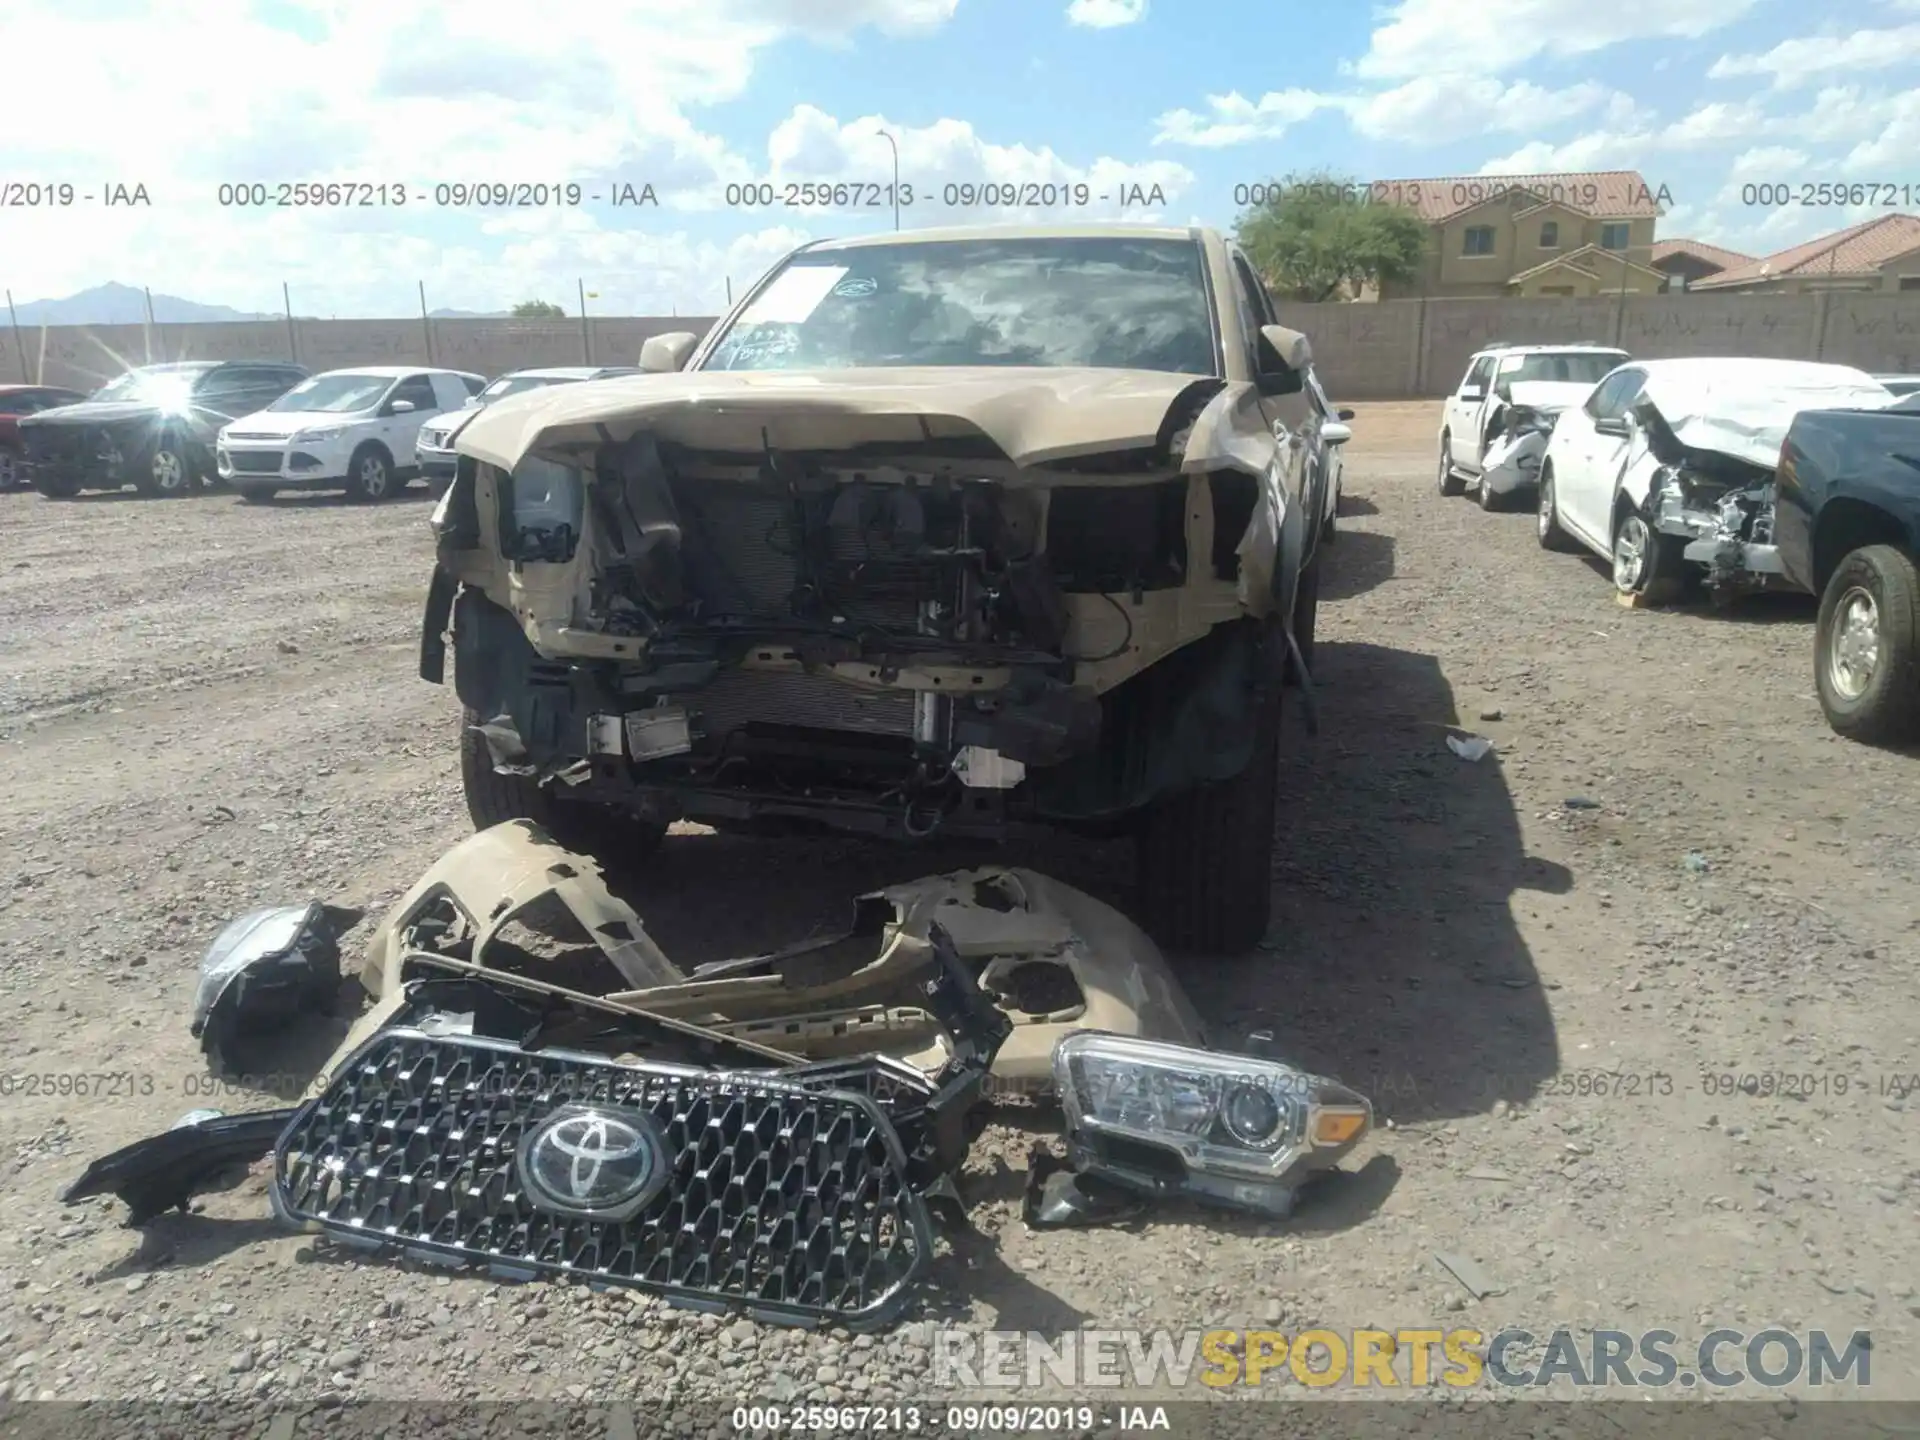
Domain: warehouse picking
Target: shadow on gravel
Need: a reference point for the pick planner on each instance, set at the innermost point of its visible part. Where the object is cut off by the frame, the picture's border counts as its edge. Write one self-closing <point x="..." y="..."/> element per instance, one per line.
<point x="334" y="500"/>
<point x="190" y="1241"/>
<point x="1396" y="963"/>
<point x="1351" y="504"/>
<point x="1357" y="562"/>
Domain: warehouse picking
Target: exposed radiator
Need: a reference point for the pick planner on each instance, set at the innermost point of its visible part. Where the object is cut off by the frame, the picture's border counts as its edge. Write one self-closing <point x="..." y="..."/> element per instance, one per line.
<point x="752" y="545"/>
<point x="739" y="696"/>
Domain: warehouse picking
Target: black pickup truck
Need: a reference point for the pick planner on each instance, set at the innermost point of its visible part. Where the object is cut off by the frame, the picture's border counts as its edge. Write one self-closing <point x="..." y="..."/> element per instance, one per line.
<point x="1847" y="524"/>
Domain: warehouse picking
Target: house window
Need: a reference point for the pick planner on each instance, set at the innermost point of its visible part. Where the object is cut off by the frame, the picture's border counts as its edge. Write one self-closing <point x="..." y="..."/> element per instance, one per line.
<point x="1556" y="290"/>
<point x="1613" y="235"/>
<point x="1478" y="240"/>
<point x="1549" y="234"/>
<point x="1910" y="282"/>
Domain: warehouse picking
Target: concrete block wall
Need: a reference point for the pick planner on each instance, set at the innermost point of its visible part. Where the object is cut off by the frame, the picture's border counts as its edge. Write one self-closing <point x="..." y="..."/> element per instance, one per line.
<point x="86" y="357"/>
<point x="1392" y="350"/>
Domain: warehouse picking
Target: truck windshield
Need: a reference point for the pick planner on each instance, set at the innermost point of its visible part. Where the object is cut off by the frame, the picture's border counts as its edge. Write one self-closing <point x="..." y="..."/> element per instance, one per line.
<point x="1109" y="302"/>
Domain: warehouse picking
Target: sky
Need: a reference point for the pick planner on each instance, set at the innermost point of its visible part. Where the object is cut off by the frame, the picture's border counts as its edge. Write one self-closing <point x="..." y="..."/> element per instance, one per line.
<point x="1145" y="110"/>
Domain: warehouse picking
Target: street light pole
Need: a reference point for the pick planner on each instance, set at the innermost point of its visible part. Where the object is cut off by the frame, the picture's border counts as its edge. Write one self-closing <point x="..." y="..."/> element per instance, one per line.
<point x="891" y="145"/>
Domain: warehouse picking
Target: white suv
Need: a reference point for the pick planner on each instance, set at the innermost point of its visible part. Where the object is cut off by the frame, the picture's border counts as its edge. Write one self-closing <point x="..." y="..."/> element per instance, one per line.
<point x="351" y="430"/>
<point x="1486" y="405"/>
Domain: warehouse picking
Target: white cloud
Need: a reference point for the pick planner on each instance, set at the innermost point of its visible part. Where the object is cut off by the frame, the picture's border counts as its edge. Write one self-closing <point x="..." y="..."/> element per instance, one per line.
<point x="1105" y="14"/>
<point x="1810" y="59"/>
<point x="1438" y="109"/>
<point x="1232" y="119"/>
<point x="1420" y="37"/>
<point x="188" y="94"/>
<point x="811" y="145"/>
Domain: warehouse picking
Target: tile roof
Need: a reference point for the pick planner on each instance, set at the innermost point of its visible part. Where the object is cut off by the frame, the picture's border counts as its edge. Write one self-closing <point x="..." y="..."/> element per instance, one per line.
<point x="1856" y="251"/>
<point x="1589" y="260"/>
<point x="1717" y="254"/>
<point x="1612" y="194"/>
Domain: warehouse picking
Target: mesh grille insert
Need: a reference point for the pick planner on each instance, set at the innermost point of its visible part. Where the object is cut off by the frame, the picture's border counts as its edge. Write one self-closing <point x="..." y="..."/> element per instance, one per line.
<point x="790" y="1204"/>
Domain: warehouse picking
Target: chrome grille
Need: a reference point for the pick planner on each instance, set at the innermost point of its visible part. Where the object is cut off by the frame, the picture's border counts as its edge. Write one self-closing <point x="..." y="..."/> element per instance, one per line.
<point x="789" y="1204"/>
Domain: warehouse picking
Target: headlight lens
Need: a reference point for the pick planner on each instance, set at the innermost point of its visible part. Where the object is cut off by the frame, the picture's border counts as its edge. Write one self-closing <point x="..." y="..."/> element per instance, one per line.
<point x="1235" y="1128"/>
<point x="309" y="437"/>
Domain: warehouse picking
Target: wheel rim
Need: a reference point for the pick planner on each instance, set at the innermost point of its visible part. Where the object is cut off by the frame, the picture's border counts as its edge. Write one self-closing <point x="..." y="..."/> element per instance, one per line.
<point x="1545" y="517"/>
<point x="373" y="476"/>
<point x="1854" y="652"/>
<point x="168" y="472"/>
<point x="1630" y="548"/>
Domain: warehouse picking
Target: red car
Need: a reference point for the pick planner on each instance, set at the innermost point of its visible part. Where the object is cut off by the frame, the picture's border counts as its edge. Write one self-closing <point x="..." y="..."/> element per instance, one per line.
<point x="18" y="400"/>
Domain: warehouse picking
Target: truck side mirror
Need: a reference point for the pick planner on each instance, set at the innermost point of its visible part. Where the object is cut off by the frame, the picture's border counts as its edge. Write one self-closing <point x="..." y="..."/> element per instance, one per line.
<point x="664" y="354"/>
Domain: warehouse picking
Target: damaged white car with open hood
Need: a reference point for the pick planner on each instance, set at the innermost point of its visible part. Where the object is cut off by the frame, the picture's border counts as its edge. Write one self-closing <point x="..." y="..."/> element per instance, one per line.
<point x="961" y="532"/>
<point x="1667" y="469"/>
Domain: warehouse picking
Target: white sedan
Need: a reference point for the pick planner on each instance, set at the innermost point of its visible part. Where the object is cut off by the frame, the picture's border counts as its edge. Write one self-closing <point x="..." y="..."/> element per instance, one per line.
<point x="1666" y="470"/>
<point x="351" y="430"/>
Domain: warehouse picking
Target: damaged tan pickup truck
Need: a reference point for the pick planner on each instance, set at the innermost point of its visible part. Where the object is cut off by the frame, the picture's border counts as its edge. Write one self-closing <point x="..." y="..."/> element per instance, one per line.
<point x="963" y="532"/>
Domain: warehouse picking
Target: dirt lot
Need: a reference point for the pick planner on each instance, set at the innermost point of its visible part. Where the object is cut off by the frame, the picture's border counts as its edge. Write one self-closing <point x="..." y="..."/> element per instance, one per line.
<point x="206" y="706"/>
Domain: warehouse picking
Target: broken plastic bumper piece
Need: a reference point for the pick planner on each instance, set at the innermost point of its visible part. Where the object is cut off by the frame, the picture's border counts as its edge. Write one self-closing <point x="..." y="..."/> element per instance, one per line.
<point x="1228" y="1129"/>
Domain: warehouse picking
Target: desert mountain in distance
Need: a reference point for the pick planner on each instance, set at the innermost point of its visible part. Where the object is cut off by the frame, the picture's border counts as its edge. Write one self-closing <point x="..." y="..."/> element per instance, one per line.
<point x="117" y="304"/>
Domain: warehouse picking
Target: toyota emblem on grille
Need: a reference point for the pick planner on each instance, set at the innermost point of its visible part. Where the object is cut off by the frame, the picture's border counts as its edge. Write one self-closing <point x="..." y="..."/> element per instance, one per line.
<point x="593" y="1161"/>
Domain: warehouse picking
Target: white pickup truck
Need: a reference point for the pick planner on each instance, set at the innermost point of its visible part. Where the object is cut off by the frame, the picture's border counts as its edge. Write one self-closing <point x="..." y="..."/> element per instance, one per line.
<point x="1505" y="386"/>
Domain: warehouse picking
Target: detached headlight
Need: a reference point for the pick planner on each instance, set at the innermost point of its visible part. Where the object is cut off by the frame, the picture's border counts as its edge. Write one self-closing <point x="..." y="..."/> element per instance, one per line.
<point x="1230" y="1128"/>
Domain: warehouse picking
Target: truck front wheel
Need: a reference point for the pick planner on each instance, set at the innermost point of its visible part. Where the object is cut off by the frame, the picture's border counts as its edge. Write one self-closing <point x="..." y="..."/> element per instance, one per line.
<point x="493" y="798"/>
<point x="1205" y="855"/>
<point x="1867" y="647"/>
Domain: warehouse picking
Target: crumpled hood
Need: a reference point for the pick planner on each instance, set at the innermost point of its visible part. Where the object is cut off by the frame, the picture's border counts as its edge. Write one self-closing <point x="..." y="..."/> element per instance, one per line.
<point x="91" y="412"/>
<point x="1549" y="396"/>
<point x="1743" y="407"/>
<point x="1034" y="415"/>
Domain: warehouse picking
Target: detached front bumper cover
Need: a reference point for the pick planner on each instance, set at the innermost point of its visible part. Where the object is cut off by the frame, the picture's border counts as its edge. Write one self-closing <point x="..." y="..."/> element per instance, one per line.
<point x="1228" y="1129"/>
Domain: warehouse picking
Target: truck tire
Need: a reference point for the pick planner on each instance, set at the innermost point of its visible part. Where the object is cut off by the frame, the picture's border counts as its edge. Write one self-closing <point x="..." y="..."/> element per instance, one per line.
<point x="1867" y="647"/>
<point x="493" y="798"/>
<point x="1205" y="856"/>
<point x="1450" y="482"/>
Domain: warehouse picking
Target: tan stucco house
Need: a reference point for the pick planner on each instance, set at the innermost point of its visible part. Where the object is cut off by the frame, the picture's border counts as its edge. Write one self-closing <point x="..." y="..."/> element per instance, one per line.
<point x="1577" y="233"/>
<point x="1685" y="262"/>
<point x="1881" y="254"/>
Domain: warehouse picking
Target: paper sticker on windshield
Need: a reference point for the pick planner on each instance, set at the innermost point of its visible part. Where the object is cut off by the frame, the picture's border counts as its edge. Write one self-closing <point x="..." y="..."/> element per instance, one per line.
<point x="794" y="294"/>
<point x="856" y="287"/>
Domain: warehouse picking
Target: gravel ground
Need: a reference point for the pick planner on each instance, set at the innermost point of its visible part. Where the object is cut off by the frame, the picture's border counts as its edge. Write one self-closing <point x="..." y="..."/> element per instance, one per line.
<point x="1550" y="968"/>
